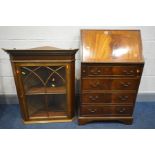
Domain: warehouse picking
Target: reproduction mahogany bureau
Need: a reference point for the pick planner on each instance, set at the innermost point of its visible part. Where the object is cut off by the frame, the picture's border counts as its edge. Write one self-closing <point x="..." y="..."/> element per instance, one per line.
<point x="111" y="69"/>
<point x="44" y="79"/>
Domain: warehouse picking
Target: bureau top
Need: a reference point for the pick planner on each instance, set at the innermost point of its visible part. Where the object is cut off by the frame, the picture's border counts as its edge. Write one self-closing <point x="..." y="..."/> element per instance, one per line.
<point x="111" y="46"/>
<point x="41" y="51"/>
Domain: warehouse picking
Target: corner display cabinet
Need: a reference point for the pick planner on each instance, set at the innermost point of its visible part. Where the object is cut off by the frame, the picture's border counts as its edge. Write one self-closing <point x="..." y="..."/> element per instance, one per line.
<point x="44" y="80"/>
<point x="111" y="69"/>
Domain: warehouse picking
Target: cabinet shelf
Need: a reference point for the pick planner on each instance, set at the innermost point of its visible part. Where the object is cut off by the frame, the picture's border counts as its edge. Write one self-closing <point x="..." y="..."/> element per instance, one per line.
<point x="46" y="90"/>
<point x="45" y="114"/>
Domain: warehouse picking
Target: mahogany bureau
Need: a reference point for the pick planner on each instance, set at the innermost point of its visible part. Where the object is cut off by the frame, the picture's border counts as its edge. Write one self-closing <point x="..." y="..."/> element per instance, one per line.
<point x="111" y="69"/>
<point x="44" y="80"/>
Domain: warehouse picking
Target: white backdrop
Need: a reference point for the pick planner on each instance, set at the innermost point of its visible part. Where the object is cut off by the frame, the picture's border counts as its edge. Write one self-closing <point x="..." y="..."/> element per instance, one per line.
<point x="66" y="37"/>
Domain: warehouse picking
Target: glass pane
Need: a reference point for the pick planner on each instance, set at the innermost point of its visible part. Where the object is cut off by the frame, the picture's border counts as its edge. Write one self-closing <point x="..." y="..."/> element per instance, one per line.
<point x="57" y="77"/>
<point x="45" y="90"/>
<point x="31" y="80"/>
<point x="43" y="79"/>
<point x="43" y="73"/>
<point x="57" y="104"/>
<point x="36" y="106"/>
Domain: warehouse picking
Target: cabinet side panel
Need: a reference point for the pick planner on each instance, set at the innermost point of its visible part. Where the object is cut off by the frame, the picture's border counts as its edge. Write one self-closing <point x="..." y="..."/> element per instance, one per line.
<point x="70" y="88"/>
<point x="19" y="91"/>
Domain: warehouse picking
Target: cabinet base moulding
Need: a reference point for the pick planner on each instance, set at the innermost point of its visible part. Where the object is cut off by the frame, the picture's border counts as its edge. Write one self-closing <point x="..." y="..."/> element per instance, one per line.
<point x="85" y="120"/>
<point x="48" y="121"/>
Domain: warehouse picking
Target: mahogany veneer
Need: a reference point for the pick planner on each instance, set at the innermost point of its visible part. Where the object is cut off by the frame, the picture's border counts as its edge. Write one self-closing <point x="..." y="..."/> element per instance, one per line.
<point x="111" y="69"/>
<point x="44" y="80"/>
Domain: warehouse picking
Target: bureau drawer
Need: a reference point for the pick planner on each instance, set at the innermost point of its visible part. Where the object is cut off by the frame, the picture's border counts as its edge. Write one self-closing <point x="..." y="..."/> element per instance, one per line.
<point x="100" y="110"/>
<point x="111" y="70"/>
<point x="110" y="84"/>
<point x="110" y="98"/>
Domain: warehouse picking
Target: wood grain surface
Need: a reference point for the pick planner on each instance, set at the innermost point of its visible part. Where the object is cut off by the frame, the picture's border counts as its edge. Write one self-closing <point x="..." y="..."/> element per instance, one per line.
<point x="111" y="46"/>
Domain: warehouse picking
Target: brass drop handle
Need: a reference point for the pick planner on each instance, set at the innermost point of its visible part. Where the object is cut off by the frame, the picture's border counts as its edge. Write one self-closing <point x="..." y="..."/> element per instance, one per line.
<point x="83" y="70"/>
<point x="128" y="72"/>
<point x="94" y="85"/>
<point x="95" y="72"/>
<point x="122" y="110"/>
<point x="125" y="84"/>
<point x="92" y="110"/>
<point x="123" y="98"/>
<point x="93" y="98"/>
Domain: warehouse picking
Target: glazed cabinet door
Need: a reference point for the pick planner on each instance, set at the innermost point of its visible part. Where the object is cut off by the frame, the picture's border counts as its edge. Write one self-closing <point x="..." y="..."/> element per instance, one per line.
<point x="44" y="88"/>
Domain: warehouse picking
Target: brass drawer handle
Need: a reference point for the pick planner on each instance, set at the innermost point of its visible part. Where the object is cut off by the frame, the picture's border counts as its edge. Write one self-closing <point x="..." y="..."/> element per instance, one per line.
<point x="128" y="72"/>
<point x="94" y="85"/>
<point x="123" y="98"/>
<point x="93" y="98"/>
<point x="92" y="71"/>
<point x="122" y="110"/>
<point x="83" y="71"/>
<point x="92" y="110"/>
<point x="95" y="72"/>
<point x="125" y="84"/>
